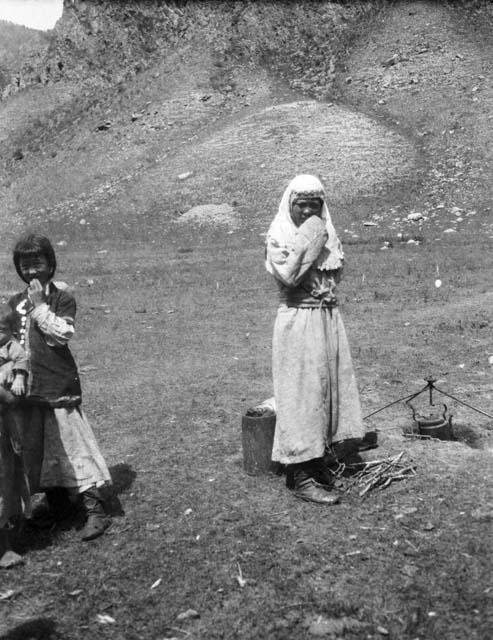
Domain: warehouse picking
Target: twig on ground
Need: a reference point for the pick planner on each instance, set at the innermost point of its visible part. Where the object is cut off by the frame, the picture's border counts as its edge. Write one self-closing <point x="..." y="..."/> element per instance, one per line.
<point x="381" y="473"/>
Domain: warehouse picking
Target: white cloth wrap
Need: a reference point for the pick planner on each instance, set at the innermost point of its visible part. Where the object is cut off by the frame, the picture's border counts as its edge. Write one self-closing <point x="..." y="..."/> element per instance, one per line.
<point x="283" y="233"/>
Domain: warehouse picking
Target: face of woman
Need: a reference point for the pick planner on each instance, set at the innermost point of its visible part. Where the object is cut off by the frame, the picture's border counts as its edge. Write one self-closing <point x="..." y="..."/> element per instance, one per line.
<point x="35" y="267"/>
<point x="304" y="208"/>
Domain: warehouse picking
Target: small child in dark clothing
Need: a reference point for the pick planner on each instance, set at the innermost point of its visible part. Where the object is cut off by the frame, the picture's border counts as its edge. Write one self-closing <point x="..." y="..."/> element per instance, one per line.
<point x="14" y="488"/>
<point x="61" y="452"/>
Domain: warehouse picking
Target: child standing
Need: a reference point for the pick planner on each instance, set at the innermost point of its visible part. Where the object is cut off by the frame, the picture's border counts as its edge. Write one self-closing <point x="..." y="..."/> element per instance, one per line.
<point x="14" y="488"/>
<point x="61" y="452"/>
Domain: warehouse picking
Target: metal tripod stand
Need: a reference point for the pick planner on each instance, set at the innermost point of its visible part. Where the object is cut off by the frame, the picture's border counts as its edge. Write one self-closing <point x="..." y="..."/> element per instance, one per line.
<point x="430" y="387"/>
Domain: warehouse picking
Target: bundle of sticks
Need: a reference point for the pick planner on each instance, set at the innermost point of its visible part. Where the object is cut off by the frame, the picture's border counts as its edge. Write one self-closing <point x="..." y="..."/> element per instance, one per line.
<point x="380" y="473"/>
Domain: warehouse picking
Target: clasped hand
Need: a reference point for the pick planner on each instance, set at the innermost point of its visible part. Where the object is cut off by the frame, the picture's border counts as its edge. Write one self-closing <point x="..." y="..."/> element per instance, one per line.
<point x="35" y="292"/>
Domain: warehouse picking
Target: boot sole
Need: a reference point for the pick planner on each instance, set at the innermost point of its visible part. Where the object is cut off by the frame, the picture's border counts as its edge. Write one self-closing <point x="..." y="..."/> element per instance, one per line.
<point x="332" y="501"/>
<point x="96" y="533"/>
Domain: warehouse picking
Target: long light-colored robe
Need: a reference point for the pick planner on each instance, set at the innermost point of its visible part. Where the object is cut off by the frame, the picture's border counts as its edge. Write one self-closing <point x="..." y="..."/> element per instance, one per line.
<point x="316" y="395"/>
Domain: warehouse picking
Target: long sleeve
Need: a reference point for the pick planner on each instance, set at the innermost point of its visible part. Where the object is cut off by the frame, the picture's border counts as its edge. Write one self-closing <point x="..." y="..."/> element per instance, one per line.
<point x="291" y="264"/>
<point x="56" y="328"/>
<point x="18" y="356"/>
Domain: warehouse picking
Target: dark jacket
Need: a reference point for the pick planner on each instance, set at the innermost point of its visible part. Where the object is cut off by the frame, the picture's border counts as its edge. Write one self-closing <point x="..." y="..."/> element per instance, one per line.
<point x="53" y="378"/>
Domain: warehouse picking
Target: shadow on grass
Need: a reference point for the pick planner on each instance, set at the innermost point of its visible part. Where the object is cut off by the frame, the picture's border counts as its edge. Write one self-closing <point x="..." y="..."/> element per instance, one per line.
<point x="35" y="629"/>
<point x="37" y="535"/>
<point x="476" y="437"/>
<point x="122" y="478"/>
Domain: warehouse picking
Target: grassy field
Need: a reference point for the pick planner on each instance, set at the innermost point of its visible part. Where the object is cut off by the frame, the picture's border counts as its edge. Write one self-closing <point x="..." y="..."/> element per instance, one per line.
<point x="174" y="344"/>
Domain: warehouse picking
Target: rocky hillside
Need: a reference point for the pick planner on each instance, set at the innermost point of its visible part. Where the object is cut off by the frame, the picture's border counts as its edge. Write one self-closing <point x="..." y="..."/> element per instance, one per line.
<point x="101" y="42"/>
<point x="20" y="48"/>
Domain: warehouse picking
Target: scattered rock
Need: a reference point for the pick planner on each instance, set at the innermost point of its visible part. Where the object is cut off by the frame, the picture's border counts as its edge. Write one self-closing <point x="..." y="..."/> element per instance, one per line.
<point x="18" y="154"/>
<point x="482" y="514"/>
<point x="409" y="570"/>
<point x="105" y="619"/>
<point x="390" y="62"/>
<point x="87" y="282"/>
<point x="10" y="559"/>
<point x="189" y="614"/>
<point x="415" y="216"/>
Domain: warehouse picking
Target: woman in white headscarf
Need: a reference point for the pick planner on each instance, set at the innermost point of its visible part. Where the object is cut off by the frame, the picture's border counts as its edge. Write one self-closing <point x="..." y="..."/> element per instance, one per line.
<point x="317" y="401"/>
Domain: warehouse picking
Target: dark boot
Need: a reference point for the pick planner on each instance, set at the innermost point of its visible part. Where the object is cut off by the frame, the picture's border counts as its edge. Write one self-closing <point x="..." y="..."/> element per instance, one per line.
<point x="322" y="474"/>
<point x="97" y="521"/>
<point x="300" y="479"/>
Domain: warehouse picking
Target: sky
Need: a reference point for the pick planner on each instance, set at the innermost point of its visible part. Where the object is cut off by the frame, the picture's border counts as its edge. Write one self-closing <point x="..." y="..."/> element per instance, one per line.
<point x="36" y="14"/>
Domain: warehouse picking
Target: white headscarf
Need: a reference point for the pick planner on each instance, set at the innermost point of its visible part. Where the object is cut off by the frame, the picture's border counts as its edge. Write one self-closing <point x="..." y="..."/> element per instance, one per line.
<point x="282" y="231"/>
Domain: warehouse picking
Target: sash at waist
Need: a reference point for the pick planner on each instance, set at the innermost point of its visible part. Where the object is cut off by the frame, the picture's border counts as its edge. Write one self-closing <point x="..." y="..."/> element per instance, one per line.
<point x="302" y="299"/>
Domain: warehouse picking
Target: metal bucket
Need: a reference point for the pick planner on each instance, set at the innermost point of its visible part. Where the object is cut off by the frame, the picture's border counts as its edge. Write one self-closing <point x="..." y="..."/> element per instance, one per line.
<point x="434" y="425"/>
<point x="440" y="429"/>
<point x="257" y="436"/>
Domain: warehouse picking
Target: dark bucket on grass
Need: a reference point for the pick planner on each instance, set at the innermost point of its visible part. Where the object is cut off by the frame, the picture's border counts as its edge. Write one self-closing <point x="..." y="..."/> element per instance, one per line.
<point x="435" y="425"/>
<point x="257" y="436"/>
<point x="440" y="429"/>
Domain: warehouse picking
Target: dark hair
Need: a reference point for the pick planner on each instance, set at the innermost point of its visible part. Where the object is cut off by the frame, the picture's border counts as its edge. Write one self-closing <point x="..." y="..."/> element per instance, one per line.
<point x="33" y="244"/>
